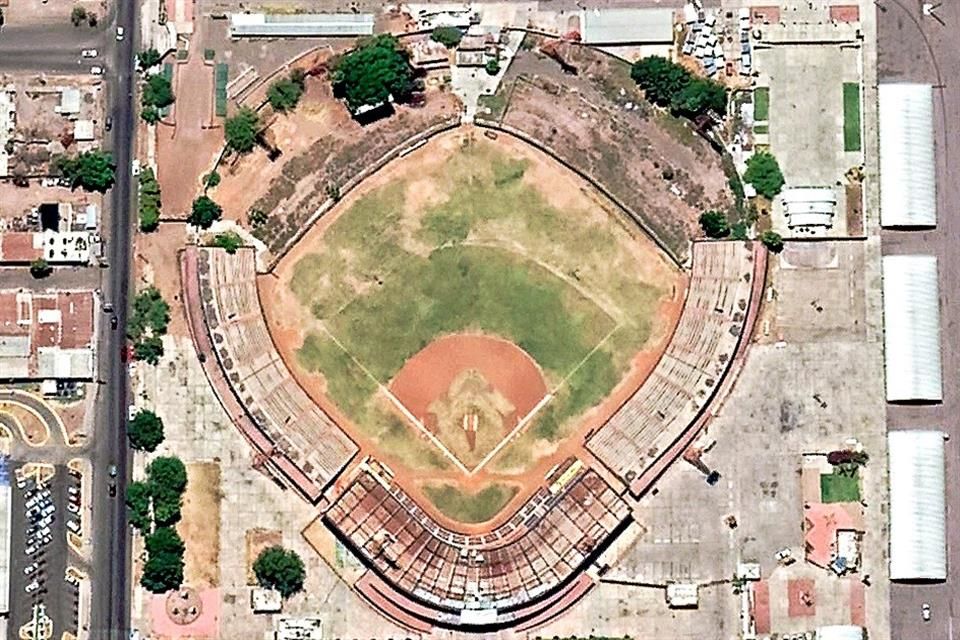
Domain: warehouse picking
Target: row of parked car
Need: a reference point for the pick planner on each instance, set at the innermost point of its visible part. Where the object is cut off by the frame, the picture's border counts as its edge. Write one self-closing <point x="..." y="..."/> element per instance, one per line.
<point x="40" y="511"/>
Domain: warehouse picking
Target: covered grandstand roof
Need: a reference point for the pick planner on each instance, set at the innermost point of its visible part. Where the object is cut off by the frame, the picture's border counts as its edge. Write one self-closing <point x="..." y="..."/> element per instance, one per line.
<point x="918" y="545"/>
<point x="254" y="25"/>
<point x="908" y="190"/>
<point x="628" y="26"/>
<point x="911" y="312"/>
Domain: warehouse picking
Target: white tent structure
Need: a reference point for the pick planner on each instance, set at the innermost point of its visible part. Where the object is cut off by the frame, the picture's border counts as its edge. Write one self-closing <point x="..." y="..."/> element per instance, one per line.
<point x="908" y="185"/>
<point x="918" y="536"/>
<point x="911" y="314"/>
<point x="809" y="206"/>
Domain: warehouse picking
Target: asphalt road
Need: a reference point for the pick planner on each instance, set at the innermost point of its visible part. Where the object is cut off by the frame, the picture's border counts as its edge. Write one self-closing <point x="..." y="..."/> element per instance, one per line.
<point x="49" y="48"/>
<point x="110" y="614"/>
<point x="917" y="48"/>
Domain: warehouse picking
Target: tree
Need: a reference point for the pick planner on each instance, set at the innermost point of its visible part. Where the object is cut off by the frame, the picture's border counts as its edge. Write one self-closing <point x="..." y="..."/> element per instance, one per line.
<point x="241" y="130"/>
<point x="40" y="268"/>
<point x="211" y="180"/>
<point x="763" y="172"/>
<point x="492" y="67"/>
<point x="150" y="114"/>
<point x="447" y="36"/>
<point x="150" y="315"/>
<point x="284" y="94"/>
<point x="149" y="202"/>
<point x="148" y="349"/>
<point x="145" y="431"/>
<point x="204" y="212"/>
<point x="167" y="479"/>
<point x="138" y="505"/>
<point x="162" y="572"/>
<point x="257" y="218"/>
<point x="714" y="224"/>
<point x="164" y="540"/>
<point x="373" y="74"/>
<point x="78" y="15"/>
<point x="157" y="92"/>
<point x="659" y="78"/>
<point x="228" y="241"/>
<point x="280" y="569"/>
<point x="772" y="241"/>
<point x="90" y="170"/>
<point x="699" y="96"/>
<point x="148" y="58"/>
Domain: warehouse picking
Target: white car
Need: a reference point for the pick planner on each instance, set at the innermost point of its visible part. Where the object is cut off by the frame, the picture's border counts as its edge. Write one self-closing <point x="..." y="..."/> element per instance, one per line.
<point x="132" y="410"/>
<point x="46" y="540"/>
<point x="96" y="70"/>
<point x="30" y="549"/>
<point x="30" y="568"/>
<point x="119" y="34"/>
<point x="73" y="526"/>
<point x="72" y="508"/>
<point x="33" y="586"/>
<point x="88" y="53"/>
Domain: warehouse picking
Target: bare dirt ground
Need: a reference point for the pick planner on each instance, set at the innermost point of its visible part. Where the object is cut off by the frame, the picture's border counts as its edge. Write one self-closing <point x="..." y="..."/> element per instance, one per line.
<point x="256" y="541"/>
<point x="187" y="150"/>
<point x="24" y="12"/>
<point x="15" y="202"/>
<point x="35" y="432"/>
<point x="652" y="163"/>
<point x="200" y="525"/>
<point x="156" y="262"/>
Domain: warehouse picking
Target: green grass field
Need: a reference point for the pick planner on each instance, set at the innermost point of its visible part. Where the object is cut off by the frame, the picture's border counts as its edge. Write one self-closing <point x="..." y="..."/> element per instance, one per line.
<point x="470" y="508"/>
<point x="761" y="104"/>
<point x="836" y="487"/>
<point x="487" y="253"/>
<point x="851" y="116"/>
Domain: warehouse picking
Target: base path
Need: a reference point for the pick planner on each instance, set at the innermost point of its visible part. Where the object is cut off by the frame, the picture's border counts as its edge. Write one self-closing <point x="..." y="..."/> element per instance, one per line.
<point x="428" y="375"/>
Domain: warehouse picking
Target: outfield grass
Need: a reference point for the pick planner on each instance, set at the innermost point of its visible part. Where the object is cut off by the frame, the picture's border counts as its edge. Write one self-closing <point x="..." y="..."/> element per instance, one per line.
<point x="470" y="508"/>
<point x="836" y="487"/>
<point x="761" y="104"/>
<point x="851" y="116"/>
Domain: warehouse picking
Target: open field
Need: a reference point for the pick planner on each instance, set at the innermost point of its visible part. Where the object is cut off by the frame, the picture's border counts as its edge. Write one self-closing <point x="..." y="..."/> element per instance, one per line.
<point x="468" y="236"/>
<point x="655" y="165"/>
<point x="470" y="507"/>
<point x="200" y="525"/>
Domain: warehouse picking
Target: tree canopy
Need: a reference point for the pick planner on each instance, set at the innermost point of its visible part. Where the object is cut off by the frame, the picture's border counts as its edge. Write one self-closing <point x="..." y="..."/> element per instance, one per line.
<point x="162" y="572"/>
<point x="284" y="94"/>
<point x="167" y="479"/>
<point x="164" y="540"/>
<point x="149" y="201"/>
<point x="668" y="84"/>
<point x="241" y="130"/>
<point x="280" y="569"/>
<point x="40" y="268"/>
<point x="151" y="314"/>
<point x="204" y="212"/>
<point x="90" y="170"/>
<point x="447" y="36"/>
<point x="763" y="172"/>
<point x="157" y="92"/>
<point x="138" y="505"/>
<point x="714" y="224"/>
<point x="148" y="58"/>
<point x="145" y="431"/>
<point x="373" y="73"/>
<point x="229" y="241"/>
<point x="772" y="241"/>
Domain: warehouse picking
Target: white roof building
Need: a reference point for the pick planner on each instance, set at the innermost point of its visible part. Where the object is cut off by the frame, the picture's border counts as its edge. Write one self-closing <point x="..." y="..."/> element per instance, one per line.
<point x="908" y="185"/>
<point x="809" y="206"/>
<point x="918" y="539"/>
<point x="627" y="26"/>
<point x="911" y="313"/>
<point x="304" y="25"/>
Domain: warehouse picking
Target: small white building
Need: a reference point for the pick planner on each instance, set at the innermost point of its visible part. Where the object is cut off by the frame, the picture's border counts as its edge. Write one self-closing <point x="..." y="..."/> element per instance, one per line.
<point x="625" y="26"/>
<point x="303" y="25"/>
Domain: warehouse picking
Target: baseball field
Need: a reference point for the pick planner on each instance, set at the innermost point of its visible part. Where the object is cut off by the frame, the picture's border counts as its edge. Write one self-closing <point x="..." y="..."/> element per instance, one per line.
<point x="466" y="311"/>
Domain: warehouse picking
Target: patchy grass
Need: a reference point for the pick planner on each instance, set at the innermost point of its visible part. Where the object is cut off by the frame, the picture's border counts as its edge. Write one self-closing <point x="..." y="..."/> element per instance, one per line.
<point x="470" y="508"/>
<point x="761" y="104"/>
<point x="839" y="487"/>
<point x="761" y="128"/>
<point x="851" y="116"/>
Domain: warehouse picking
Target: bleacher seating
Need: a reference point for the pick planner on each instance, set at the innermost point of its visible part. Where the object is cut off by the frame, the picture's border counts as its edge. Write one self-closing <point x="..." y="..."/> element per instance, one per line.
<point x="257" y="373"/>
<point x="697" y="357"/>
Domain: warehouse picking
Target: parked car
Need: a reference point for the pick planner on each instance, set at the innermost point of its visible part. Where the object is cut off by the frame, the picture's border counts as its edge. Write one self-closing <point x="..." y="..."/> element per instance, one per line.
<point x="88" y="53"/>
<point x="30" y="568"/>
<point x="46" y="540"/>
<point x="72" y="508"/>
<point x="925" y="612"/>
<point x="96" y="70"/>
<point x="33" y="586"/>
<point x="30" y="549"/>
<point x="108" y="125"/>
<point x="72" y="525"/>
<point x="119" y="34"/>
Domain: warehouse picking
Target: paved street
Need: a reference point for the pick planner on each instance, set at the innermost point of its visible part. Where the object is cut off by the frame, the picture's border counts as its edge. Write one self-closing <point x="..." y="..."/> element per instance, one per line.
<point x="914" y="48"/>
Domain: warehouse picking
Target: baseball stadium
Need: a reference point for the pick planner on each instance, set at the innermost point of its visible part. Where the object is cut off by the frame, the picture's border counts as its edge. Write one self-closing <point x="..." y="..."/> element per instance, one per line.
<point x="474" y="364"/>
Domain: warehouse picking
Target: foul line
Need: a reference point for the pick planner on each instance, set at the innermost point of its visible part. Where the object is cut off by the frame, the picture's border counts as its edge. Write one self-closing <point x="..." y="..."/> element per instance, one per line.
<point x="509" y="437"/>
<point x="396" y="402"/>
<point x="580" y="364"/>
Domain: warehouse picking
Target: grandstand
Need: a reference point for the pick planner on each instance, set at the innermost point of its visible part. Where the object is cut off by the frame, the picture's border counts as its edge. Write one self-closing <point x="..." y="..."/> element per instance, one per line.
<point x="283" y="413"/>
<point x="504" y="577"/>
<point x="702" y="348"/>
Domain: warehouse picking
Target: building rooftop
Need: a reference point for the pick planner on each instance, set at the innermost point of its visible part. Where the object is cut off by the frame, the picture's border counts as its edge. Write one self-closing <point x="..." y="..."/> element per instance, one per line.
<point x="627" y="26"/>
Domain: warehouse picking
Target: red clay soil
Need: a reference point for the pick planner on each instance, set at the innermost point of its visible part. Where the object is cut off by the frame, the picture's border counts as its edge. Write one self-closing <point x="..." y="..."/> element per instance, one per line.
<point x="428" y="374"/>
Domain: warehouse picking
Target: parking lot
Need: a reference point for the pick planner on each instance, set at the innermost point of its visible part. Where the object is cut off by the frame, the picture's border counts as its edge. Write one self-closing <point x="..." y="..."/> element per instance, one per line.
<point x="46" y="504"/>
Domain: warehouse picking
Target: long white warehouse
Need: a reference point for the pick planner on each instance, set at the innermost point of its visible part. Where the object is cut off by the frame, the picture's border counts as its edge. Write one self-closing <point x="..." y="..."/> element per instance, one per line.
<point x="911" y="316"/>
<point x="918" y="530"/>
<point x="908" y="184"/>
